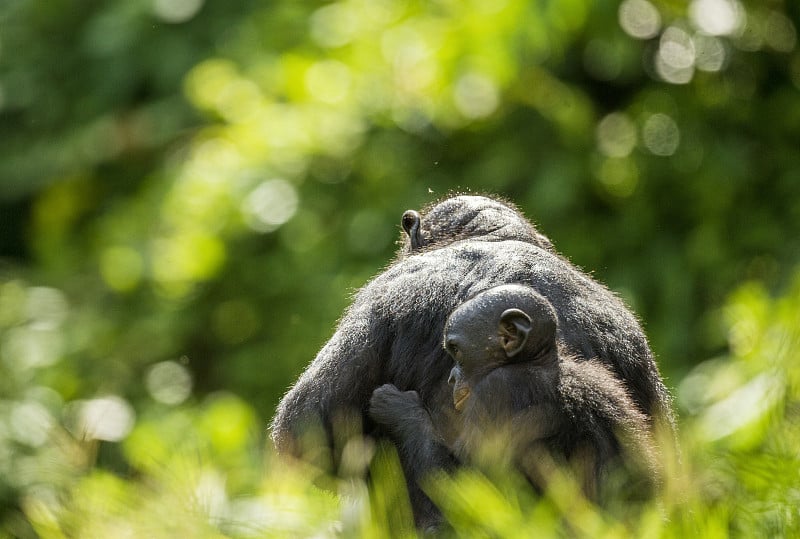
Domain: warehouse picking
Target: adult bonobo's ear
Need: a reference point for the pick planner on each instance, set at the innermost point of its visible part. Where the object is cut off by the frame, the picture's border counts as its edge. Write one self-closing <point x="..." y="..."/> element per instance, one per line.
<point x="411" y="225"/>
<point x="515" y="326"/>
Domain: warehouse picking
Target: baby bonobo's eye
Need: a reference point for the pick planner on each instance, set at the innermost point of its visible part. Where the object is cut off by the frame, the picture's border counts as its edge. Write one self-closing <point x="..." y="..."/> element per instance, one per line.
<point x="452" y="347"/>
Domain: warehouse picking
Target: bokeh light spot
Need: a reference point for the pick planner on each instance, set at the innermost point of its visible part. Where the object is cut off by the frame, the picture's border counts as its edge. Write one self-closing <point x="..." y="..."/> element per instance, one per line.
<point x="176" y="11"/>
<point x="184" y="258"/>
<point x="169" y="382"/>
<point x="619" y="176"/>
<point x="28" y="348"/>
<point x="661" y="135"/>
<point x="228" y="421"/>
<point x="333" y="25"/>
<point x="742" y="407"/>
<point x="476" y="96"/>
<point x="639" y="19"/>
<point x="206" y="81"/>
<point x="780" y="32"/>
<point x="30" y="423"/>
<point x="108" y="418"/>
<point x="210" y="494"/>
<point x="270" y="205"/>
<point x="616" y="135"/>
<point x="411" y="53"/>
<point x="239" y="100"/>
<point x="710" y="53"/>
<point x="328" y="81"/>
<point x="675" y="57"/>
<point x="121" y="268"/>
<point x="676" y="48"/>
<point x="717" y="17"/>
<point x="46" y="307"/>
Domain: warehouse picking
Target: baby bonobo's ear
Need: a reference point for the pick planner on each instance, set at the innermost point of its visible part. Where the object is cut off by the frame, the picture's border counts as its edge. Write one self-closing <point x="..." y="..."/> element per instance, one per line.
<point x="515" y="326"/>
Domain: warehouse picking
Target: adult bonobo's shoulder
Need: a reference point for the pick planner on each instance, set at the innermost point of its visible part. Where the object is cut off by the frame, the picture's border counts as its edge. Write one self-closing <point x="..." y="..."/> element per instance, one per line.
<point x="467" y="217"/>
<point x="435" y="280"/>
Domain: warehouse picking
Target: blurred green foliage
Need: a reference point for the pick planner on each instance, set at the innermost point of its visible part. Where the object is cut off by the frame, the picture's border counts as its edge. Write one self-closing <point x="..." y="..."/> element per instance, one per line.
<point x="190" y="191"/>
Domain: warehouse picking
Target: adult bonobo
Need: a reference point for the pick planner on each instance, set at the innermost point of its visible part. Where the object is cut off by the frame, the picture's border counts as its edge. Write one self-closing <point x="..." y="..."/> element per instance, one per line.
<point x="392" y="331"/>
<point x="524" y="400"/>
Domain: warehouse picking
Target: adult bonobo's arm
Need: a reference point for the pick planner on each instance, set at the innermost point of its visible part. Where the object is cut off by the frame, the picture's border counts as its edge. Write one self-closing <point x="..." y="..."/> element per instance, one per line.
<point x="338" y="381"/>
<point x="391" y="333"/>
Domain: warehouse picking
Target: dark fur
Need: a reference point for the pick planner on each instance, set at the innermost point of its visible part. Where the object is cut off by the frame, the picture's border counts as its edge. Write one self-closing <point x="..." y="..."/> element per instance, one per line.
<point x="391" y="333"/>
<point x="534" y="409"/>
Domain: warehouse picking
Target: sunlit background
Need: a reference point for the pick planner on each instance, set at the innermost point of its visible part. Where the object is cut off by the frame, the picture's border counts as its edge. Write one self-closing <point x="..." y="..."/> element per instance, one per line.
<point x="191" y="191"/>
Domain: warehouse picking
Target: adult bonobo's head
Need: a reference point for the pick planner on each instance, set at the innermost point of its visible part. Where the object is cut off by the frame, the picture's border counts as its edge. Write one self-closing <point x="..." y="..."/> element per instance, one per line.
<point x="467" y="216"/>
<point x="505" y="324"/>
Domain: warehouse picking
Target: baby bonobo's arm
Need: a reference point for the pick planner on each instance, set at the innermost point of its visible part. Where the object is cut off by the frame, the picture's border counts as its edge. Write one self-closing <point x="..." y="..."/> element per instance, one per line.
<point x="401" y="414"/>
<point x="421" y="448"/>
<point x="505" y="416"/>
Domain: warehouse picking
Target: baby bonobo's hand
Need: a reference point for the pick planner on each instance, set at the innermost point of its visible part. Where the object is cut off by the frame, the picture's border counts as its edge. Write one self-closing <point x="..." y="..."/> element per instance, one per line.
<point x="391" y="407"/>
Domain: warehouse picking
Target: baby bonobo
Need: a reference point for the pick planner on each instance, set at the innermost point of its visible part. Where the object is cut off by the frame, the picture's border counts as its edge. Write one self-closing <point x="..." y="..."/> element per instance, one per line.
<point x="521" y="399"/>
<point x="519" y="391"/>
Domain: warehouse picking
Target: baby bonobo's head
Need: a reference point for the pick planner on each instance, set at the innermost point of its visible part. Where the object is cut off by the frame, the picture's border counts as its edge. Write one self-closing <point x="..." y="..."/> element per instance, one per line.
<point x="507" y="324"/>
